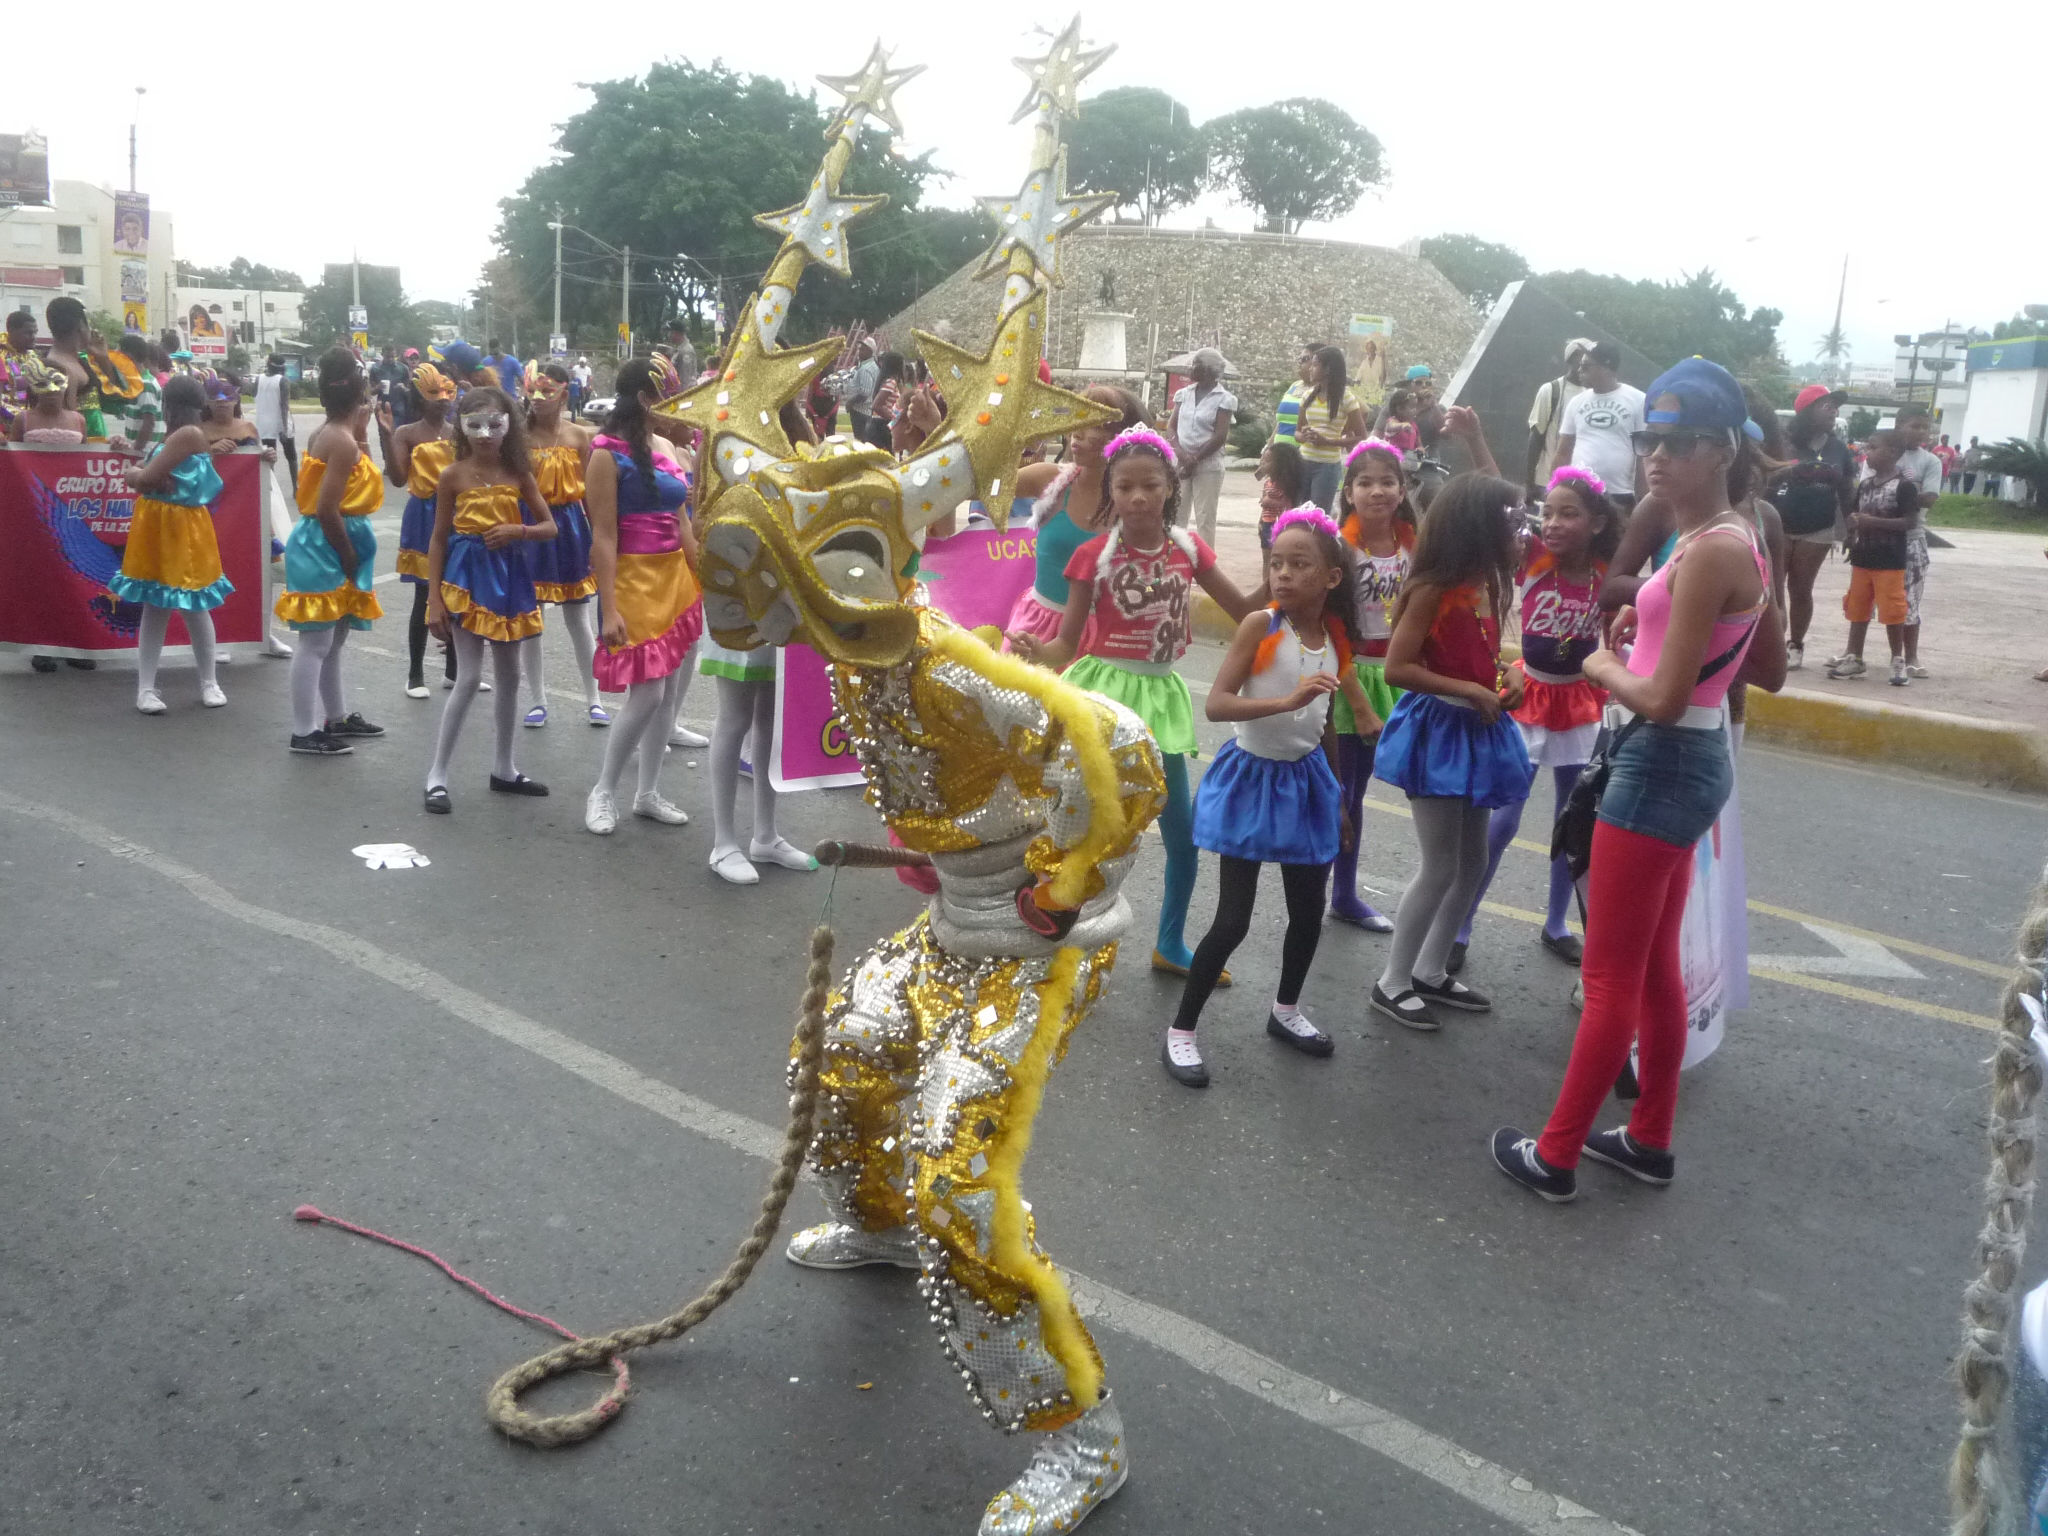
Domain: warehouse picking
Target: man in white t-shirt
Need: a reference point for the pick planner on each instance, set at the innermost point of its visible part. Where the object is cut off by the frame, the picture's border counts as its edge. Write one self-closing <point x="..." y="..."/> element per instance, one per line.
<point x="1600" y="422"/>
<point x="1923" y="469"/>
<point x="1199" y="429"/>
<point x="1546" y="416"/>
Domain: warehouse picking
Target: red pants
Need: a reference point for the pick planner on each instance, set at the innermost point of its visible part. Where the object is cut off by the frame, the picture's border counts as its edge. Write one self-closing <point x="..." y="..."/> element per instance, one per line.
<point x="1635" y="991"/>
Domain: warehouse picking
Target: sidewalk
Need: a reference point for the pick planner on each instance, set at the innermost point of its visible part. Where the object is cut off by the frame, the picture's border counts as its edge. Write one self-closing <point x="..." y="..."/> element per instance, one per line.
<point x="1979" y="716"/>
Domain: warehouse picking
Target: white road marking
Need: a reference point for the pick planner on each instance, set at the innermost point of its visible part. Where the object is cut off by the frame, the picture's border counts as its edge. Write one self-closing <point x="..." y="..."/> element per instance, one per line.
<point x="1501" y="1493"/>
<point x="1854" y="956"/>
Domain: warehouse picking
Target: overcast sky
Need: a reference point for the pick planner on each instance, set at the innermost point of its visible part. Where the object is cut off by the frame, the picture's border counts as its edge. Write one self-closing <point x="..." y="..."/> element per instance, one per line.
<point x="1765" y="140"/>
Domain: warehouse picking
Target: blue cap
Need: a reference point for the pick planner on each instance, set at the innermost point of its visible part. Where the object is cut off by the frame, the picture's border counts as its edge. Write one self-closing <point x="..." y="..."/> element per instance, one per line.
<point x="1700" y="395"/>
<point x="1421" y="371"/>
<point x="461" y="356"/>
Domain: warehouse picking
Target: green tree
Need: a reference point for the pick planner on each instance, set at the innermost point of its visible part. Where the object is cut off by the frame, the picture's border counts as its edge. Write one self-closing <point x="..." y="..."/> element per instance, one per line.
<point x="1140" y="144"/>
<point x="675" y="165"/>
<point x="2022" y="460"/>
<point x="324" y="314"/>
<point x="1669" y="321"/>
<point x="240" y="273"/>
<point x="1862" y="422"/>
<point x="1477" y="268"/>
<point x="1294" y="161"/>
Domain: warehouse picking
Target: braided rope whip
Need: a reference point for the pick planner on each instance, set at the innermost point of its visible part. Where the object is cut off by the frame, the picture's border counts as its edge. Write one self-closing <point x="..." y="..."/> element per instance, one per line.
<point x="1980" y="1485"/>
<point x="501" y="1402"/>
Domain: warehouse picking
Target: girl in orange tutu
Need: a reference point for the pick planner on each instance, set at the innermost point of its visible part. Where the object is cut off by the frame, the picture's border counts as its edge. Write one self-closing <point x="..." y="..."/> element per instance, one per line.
<point x="1559" y="592"/>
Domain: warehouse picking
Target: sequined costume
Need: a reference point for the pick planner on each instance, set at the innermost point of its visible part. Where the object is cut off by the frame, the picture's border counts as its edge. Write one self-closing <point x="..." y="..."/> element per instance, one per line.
<point x="943" y="1036"/>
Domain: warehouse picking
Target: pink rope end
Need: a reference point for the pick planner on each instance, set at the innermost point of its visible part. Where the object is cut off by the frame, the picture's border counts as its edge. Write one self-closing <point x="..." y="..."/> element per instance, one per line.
<point x="308" y="1213"/>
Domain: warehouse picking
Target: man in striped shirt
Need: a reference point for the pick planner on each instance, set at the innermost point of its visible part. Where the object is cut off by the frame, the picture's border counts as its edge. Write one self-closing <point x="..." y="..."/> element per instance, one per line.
<point x="1288" y="414"/>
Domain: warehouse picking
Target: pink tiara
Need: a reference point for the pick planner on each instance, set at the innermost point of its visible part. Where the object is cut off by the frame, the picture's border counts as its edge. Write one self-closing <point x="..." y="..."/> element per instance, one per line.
<point x="1141" y="437"/>
<point x="1571" y="474"/>
<point x="1375" y="445"/>
<point x="1308" y="514"/>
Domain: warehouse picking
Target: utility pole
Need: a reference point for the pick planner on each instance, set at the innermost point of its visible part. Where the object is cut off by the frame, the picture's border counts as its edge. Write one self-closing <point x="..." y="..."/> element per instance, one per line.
<point x="355" y="279"/>
<point x="626" y="302"/>
<point x="1835" y="335"/>
<point x="557" y="330"/>
<point x="132" y="122"/>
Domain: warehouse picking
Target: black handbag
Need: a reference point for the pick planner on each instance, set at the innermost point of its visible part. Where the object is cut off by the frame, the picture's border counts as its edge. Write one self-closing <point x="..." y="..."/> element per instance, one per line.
<point x="1571" y="839"/>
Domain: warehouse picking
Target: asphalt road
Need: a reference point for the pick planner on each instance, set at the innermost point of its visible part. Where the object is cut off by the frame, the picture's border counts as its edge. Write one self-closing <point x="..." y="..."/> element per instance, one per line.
<point x="557" y="1060"/>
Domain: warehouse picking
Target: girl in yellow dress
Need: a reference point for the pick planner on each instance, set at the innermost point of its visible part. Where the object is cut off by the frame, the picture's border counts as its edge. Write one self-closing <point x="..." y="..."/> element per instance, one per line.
<point x="329" y="560"/>
<point x="561" y="568"/>
<point x="478" y="588"/>
<point x="172" y="563"/>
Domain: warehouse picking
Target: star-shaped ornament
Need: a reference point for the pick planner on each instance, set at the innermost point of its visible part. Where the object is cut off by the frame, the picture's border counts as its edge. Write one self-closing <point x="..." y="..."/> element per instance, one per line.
<point x="818" y="223"/>
<point x="745" y="399"/>
<point x="1035" y="218"/>
<point x="874" y="87"/>
<point x="1056" y="77"/>
<point x="994" y="406"/>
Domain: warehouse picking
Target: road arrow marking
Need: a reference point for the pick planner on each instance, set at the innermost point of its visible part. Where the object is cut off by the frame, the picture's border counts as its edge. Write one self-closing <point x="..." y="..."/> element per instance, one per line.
<point x="1854" y="956"/>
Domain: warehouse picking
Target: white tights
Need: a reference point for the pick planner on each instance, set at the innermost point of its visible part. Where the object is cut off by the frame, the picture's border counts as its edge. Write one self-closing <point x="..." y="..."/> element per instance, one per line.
<point x="149" y="645"/>
<point x="684" y="673"/>
<point x="316" y="678"/>
<point x="469" y="671"/>
<point x="1452" y="834"/>
<point x="742" y="707"/>
<point x="641" y="726"/>
<point x="580" y="619"/>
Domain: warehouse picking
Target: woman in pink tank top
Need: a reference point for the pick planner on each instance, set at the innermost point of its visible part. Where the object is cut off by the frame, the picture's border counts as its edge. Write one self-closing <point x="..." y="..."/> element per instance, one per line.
<point x="1692" y="625"/>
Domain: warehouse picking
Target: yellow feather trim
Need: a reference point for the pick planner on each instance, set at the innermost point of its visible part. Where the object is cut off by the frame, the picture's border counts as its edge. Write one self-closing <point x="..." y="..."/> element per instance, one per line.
<point x="1010" y="1247"/>
<point x="1070" y="708"/>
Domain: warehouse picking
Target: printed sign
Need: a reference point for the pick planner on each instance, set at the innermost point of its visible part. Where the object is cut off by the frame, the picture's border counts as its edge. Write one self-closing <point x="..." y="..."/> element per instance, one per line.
<point x="131" y="249"/>
<point x="64" y="523"/>
<point x="206" y="335"/>
<point x="974" y="578"/>
<point x="1368" y="346"/>
<point x="24" y="170"/>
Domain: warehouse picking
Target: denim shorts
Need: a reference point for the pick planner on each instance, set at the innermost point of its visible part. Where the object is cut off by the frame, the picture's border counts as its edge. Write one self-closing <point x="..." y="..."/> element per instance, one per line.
<point x="1669" y="782"/>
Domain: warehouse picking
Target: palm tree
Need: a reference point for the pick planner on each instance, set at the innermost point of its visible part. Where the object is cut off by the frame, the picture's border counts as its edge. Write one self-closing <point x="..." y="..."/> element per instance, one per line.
<point x="2021" y="460"/>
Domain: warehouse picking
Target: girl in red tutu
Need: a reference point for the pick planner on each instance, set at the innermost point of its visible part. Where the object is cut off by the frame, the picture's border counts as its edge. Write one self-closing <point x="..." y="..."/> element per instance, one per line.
<point x="1559" y="593"/>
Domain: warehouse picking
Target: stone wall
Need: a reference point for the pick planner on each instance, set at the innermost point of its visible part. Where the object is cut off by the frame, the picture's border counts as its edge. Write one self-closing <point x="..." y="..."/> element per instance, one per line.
<point x="1257" y="297"/>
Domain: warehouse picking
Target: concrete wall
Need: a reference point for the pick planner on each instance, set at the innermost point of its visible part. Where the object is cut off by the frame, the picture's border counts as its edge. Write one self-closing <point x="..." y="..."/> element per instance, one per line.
<point x="1257" y="297"/>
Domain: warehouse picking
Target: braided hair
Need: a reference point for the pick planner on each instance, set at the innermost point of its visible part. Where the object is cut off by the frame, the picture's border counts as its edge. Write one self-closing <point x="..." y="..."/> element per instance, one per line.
<point x="629" y="421"/>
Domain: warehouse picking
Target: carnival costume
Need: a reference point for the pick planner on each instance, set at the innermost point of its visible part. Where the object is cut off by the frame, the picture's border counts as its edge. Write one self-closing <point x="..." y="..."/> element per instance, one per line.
<point x="1041" y="608"/>
<point x="561" y="566"/>
<point x="1560" y="710"/>
<point x="1028" y="794"/>
<point x="416" y="524"/>
<point x="1435" y="747"/>
<point x="655" y="588"/>
<point x="488" y="590"/>
<point x="172" y="559"/>
<point x="318" y="593"/>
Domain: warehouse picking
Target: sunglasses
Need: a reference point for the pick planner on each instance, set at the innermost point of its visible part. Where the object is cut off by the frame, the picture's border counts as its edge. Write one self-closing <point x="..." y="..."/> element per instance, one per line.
<point x="1677" y="445"/>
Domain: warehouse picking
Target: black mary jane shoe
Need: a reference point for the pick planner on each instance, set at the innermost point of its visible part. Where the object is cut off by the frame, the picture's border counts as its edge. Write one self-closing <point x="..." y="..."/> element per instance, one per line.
<point x="1315" y="1044"/>
<point x="1570" y="949"/>
<point x="437" y="800"/>
<point x="519" y="784"/>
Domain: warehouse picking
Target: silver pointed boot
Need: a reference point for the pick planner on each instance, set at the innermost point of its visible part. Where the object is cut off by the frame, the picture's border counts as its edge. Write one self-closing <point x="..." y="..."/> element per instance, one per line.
<point x="1075" y="1469"/>
<point x="842" y="1245"/>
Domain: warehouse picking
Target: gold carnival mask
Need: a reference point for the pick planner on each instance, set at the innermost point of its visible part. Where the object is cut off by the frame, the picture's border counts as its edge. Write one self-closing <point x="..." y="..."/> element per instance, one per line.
<point x="820" y="544"/>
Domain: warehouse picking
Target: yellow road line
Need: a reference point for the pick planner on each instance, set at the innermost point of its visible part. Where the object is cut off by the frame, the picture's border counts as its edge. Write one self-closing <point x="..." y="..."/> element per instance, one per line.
<point x="1908" y="946"/>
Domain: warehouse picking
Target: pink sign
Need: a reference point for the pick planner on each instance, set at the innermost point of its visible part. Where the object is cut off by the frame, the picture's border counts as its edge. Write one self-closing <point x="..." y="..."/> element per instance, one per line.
<point x="974" y="578"/>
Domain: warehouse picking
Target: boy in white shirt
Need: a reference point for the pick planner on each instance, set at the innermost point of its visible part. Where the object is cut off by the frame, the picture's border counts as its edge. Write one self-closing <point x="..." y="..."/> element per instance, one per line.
<point x="1599" y="423"/>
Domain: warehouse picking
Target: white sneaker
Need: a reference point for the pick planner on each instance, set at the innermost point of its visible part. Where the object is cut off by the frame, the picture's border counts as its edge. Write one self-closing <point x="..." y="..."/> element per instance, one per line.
<point x="1795" y="656"/>
<point x="683" y="736"/>
<point x="211" y="696"/>
<point x="655" y="808"/>
<point x="1075" y="1468"/>
<point x="600" y="815"/>
<point x="150" y="702"/>
<point x="783" y="852"/>
<point x="1914" y="669"/>
<point x="731" y="866"/>
<point x="1900" y="676"/>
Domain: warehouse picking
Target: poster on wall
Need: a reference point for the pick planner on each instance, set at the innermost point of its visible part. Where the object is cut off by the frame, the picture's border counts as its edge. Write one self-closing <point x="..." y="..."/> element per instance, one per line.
<point x="24" y="170"/>
<point x="1368" y="344"/>
<point x="131" y="249"/>
<point x="64" y="523"/>
<point x="206" y="336"/>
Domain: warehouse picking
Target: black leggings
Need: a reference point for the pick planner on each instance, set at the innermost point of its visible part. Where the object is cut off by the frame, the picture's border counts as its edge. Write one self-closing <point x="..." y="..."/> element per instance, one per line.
<point x="416" y="640"/>
<point x="1237" y="892"/>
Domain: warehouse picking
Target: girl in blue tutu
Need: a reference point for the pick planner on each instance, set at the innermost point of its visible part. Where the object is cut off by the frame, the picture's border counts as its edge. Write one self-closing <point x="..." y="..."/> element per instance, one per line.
<point x="1272" y="797"/>
<point x="1449" y="741"/>
<point x="480" y="590"/>
<point x="1130" y="615"/>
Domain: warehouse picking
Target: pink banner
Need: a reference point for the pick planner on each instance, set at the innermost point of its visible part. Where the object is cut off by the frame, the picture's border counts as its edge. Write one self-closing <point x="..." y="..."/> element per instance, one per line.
<point x="64" y="523"/>
<point x="974" y="578"/>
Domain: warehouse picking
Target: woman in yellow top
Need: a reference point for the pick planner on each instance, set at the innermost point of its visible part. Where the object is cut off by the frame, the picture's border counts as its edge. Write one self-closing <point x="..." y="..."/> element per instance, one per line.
<point x="561" y="568"/>
<point x="1332" y="423"/>
<point x="479" y="590"/>
<point x="329" y="560"/>
<point x="420" y="450"/>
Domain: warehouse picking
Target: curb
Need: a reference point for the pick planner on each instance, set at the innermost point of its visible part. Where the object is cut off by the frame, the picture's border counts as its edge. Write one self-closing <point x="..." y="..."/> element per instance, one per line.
<point x="1986" y="752"/>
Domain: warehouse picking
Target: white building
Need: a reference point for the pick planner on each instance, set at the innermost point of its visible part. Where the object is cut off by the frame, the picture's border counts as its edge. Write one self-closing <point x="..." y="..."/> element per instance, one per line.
<point x="68" y="248"/>
<point x="1933" y="369"/>
<point x="256" y="318"/>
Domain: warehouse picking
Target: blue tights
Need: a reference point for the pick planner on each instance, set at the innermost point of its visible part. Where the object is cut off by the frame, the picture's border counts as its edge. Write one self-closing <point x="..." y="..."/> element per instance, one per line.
<point x="1177" y="830"/>
<point x="1500" y="831"/>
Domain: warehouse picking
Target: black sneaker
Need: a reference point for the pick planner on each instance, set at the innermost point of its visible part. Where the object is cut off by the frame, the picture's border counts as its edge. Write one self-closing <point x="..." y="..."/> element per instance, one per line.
<point x="1618" y="1149"/>
<point x="1405" y="1008"/>
<point x="1515" y="1155"/>
<point x="320" y="744"/>
<point x="353" y="725"/>
<point x="1313" y="1043"/>
<point x="1453" y="993"/>
<point x="43" y="663"/>
<point x="1455" y="961"/>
